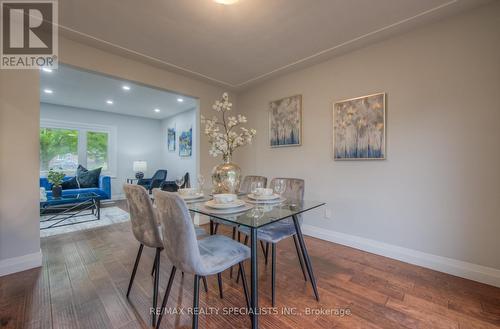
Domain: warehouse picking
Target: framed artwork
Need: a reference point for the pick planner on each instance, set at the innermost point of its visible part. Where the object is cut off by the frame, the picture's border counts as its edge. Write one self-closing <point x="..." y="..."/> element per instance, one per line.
<point x="359" y="128"/>
<point x="171" y="139"/>
<point x="285" y="122"/>
<point x="186" y="143"/>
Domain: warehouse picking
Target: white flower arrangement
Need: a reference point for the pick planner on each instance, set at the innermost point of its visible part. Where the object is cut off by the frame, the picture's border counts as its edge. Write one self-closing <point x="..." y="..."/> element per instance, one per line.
<point x="222" y="136"/>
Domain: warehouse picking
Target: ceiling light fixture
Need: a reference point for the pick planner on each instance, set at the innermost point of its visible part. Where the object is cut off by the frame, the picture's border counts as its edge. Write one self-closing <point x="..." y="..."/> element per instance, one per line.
<point x="46" y="69"/>
<point x="157" y="110"/>
<point x="48" y="91"/>
<point x="125" y="87"/>
<point x="226" y="2"/>
<point x="109" y="101"/>
<point x="180" y="100"/>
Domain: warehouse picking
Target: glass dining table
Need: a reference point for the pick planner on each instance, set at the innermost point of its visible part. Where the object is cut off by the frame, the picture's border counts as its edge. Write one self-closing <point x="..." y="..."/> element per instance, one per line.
<point x="255" y="216"/>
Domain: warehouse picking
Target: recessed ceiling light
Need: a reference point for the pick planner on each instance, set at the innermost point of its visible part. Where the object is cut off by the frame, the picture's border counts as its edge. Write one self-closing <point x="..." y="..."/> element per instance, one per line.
<point x="226" y="2"/>
<point x="180" y="100"/>
<point x="157" y="110"/>
<point x="125" y="87"/>
<point x="46" y="69"/>
<point x="109" y="101"/>
<point x="48" y="91"/>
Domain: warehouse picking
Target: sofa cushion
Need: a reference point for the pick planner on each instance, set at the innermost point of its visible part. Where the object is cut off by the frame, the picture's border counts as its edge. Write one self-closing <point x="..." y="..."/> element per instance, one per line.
<point x="88" y="178"/>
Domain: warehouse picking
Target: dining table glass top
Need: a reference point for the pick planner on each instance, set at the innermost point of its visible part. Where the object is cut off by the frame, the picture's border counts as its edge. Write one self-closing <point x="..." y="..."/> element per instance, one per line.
<point x="254" y="215"/>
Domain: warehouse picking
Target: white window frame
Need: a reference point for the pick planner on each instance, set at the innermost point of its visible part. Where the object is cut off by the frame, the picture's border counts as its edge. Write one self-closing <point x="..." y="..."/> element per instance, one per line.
<point x="82" y="129"/>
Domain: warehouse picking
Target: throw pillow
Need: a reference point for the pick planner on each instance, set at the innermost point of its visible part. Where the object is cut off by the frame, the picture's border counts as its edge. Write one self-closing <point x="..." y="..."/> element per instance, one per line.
<point x="88" y="178"/>
<point x="71" y="183"/>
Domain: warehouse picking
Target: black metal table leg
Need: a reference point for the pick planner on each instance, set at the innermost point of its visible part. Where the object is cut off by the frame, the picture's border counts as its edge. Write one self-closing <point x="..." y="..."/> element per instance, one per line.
<point x="306" y="255"/>
<point x="254" y="279"/>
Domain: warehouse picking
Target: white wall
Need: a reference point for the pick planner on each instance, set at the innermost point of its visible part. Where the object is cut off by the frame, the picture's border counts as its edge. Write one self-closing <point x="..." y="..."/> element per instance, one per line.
<point x="175" y="164"/>
<point x="438" y="192"/>
<point x="137" y="138"/>
<point x="19" y="152"/>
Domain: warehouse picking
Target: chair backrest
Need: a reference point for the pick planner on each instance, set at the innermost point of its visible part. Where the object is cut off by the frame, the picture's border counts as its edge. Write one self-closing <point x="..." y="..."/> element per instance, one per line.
<point x="143" y="216"/>
<point x="187" y="183"/>
<point x="179" y="235"/>
<point x="248" y="180"/>
<point x="294" y="188"/>
<point x="160" y="174"/>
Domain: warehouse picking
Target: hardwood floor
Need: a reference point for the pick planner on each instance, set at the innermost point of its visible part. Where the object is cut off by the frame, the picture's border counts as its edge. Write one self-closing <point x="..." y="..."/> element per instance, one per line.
<point x="84" y="278"/>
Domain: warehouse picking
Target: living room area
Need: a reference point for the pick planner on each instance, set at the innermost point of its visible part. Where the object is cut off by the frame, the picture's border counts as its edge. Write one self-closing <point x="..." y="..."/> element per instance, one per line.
<point x="98" y="132"/>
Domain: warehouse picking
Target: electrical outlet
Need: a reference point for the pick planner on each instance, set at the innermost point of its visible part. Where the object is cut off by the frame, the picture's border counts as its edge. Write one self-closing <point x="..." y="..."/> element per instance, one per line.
<point x="328" y="213"/>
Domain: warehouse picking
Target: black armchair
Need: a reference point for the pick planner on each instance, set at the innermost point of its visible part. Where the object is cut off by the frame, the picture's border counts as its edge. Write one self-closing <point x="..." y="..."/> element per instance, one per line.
<point x="158" y="178"/>
<point x="170" y="186"/>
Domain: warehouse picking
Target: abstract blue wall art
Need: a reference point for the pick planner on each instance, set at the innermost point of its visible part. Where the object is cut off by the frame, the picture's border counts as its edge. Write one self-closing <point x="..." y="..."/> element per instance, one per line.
<point x="285" y="122"/>
<point x="186" y="143"/>
<point x="359" y="128"/>
<point x="171" y="139"/>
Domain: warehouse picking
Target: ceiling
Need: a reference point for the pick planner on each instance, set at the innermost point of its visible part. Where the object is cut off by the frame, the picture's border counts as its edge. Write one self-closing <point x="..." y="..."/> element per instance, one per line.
<point x="83" y="89"/>
<point x="242" y="44"/>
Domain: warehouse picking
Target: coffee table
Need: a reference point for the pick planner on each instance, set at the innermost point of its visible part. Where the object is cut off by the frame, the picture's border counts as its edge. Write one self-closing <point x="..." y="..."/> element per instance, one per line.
<point x="70" y="206"/>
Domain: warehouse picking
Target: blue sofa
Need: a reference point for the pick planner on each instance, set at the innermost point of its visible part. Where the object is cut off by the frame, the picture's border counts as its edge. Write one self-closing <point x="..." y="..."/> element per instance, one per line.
<point x="104" y="189"/>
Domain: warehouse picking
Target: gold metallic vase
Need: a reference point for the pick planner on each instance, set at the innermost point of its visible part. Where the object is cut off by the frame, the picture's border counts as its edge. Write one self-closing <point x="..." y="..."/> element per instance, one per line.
<point x="226" y="177"/>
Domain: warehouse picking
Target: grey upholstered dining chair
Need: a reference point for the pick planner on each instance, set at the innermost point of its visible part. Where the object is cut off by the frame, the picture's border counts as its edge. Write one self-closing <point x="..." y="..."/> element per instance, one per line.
<point x="209" y="256"/>
<point x="146" y="230"/>
<point x="275" y="232"/>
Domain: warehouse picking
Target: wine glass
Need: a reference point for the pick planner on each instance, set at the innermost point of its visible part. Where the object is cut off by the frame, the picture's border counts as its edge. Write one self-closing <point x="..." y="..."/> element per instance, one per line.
<point x="179" y="182"/>
<point x="254" y="186"/>
<point x="201" y="182"/>
<point x="279" y="186"/>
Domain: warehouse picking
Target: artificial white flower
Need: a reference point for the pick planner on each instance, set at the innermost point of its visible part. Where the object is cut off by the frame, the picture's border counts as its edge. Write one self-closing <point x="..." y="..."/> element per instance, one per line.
<point x="226" y="141"/>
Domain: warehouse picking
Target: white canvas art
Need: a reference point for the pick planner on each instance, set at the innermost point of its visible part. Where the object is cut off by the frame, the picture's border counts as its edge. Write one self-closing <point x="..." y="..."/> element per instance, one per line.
<point x="359" y="128"/>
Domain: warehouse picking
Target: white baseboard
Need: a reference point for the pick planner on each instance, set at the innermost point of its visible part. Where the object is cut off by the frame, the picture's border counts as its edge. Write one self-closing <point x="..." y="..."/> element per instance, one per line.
<point x="452" y="266"/>
<point x="21" y="263"/>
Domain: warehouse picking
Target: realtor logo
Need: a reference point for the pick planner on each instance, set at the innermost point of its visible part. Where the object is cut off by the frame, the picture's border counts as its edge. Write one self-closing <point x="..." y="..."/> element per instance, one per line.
<point x="29" y="34"/>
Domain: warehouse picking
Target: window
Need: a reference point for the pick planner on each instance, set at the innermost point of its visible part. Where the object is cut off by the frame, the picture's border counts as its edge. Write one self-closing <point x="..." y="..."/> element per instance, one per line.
<point x="58" y="149"/>
<point x="65" y="145"/>
<point x="97" y="150"/>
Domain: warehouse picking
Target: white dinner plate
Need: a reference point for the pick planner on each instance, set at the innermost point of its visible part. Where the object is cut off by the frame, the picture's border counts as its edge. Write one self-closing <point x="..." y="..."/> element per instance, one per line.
<point x="273" y="201"/>
<point x="235" y="204"/>
<point x="235" y="210"/>
<point x="264" y="197"/>
<point x="192" y="197"/>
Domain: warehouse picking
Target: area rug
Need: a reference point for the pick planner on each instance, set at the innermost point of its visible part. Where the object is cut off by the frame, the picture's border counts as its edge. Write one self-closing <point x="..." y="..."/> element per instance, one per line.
<point x="109" y="215"/>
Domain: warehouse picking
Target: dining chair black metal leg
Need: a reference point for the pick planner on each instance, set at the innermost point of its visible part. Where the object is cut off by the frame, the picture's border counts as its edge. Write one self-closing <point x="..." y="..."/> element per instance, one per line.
<point x="165" y="297"/>
<point x="154" y="267"/>
<point x="219" y="279"/>
<point x="299" y="255"/>
<point x="273" y="274"/>
<point x="254" y="305"/>
<point x="263" y="250"/>
<point x="156" y="284"/>
<point x="205" y="283"/>
<point x="216" y="228"/>
<point x="267" y="251"/>
<point x="245" y="284"/>
<point x="196" y="300"/>
<point x="211" y="227"/>
<point x="238" y="276"/>
<point x="306" y="256"/>
<point x="234" y="237"/>
<point x="137" y="258"/>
